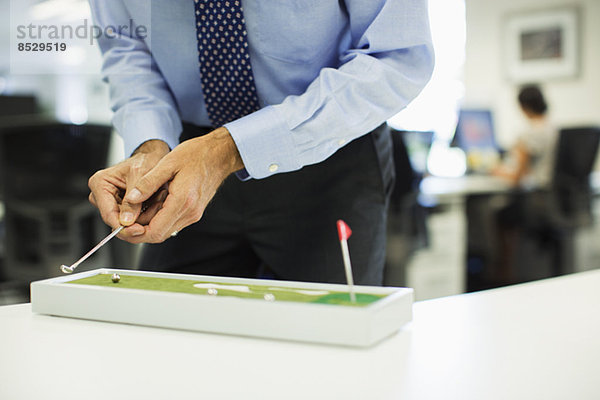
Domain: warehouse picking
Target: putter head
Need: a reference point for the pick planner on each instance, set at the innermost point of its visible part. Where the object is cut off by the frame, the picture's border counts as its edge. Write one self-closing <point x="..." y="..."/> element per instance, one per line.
<point x="66" y="269"/>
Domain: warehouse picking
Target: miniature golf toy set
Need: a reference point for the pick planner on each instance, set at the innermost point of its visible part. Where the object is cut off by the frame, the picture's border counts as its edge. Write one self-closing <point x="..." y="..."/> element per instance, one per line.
<point x="312" y="312"/>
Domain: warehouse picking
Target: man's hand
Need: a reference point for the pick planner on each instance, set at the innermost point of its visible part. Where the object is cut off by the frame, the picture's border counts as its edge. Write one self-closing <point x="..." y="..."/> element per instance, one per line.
<point x="109" y="186"/>
<point x="194" y="170"/>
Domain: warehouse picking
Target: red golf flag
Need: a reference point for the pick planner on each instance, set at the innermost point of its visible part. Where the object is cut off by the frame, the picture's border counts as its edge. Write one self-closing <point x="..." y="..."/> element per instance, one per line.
<point x="344" y="231"/>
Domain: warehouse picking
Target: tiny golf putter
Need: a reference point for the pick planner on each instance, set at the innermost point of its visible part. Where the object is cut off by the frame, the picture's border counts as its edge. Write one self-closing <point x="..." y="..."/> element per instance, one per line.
<point x="67" y="270"/>
<point x="116" y="278"/>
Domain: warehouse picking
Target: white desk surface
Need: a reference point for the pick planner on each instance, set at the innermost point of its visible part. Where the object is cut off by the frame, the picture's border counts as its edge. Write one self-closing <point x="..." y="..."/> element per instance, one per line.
<point x="534" y="341"/>
<point x="448" y="188"/>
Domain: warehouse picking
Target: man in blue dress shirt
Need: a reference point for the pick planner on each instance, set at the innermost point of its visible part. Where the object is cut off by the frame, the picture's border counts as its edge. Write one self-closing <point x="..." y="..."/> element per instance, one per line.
<point x="326" y="76"/>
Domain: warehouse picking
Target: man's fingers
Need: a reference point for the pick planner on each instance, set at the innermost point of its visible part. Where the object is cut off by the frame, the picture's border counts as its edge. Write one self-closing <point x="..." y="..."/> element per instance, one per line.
<point x="108" y="207"/>
<point x="92" y="200"/>
<point x="109" y="186"/>
<point x="152" y="206"/>
<point x="131" y="233"/>
<point x="129" y="213"/>
<point x="158" y="234"/>
<point x="170" y="218"/>
<point x="146" y="216"/>
<point x="137" y="169"/>
<point x="162" y="225"/>
<point x="148" y="184"/>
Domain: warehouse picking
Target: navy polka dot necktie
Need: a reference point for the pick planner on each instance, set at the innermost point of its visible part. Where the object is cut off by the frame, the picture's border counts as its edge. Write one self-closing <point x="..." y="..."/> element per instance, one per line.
<point x="227" y="80"/>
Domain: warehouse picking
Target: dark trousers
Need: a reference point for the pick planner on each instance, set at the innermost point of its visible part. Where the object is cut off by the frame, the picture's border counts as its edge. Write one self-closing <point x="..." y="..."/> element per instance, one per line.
<point x="284" y="226"/>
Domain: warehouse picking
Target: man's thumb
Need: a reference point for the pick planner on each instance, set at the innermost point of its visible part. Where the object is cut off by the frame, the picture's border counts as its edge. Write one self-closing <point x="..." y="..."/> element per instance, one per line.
<point x="148" y="184"/>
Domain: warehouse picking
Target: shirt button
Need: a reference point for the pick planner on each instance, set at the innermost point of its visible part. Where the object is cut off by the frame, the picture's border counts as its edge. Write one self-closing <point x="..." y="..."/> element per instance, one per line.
<point x="273" y="167"/>
<point x="342" y="142"/>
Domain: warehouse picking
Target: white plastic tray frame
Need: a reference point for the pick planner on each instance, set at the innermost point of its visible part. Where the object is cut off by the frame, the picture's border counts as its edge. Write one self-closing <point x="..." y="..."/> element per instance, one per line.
<point x="308" y="322"/>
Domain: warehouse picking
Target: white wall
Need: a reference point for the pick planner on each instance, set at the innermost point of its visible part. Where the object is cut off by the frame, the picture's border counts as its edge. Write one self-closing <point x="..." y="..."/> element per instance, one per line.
<point x="573" y="101"/>
<point x="70" y="92"/>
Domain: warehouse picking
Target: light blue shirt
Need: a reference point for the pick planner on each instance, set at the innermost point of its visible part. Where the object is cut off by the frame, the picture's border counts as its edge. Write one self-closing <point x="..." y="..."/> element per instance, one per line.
<point x="326" y="72"/>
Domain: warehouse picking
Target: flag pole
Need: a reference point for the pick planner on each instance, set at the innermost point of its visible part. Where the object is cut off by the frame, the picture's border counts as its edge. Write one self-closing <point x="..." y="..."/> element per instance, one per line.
<point x="344" y="233"/>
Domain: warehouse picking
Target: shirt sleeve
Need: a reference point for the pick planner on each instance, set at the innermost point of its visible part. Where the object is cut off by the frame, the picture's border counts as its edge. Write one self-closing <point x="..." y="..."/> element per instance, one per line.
<point x="389" y="62"/>
<point x="143" y="105"/>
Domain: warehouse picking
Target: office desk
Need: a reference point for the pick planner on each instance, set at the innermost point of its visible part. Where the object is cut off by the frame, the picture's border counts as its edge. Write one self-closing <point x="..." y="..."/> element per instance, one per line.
<point x="440" y="268"/>
<point x="448" y="189"/>
<point x="533" y="341"/>
<point x="472" y="203"/>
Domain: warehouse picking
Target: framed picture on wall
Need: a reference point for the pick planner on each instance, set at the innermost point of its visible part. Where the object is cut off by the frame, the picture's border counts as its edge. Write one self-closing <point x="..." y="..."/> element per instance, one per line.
<point x="542" y="45"/>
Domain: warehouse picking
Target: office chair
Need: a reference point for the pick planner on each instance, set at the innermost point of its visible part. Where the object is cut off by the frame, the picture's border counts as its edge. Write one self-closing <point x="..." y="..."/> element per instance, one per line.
<point x="566" y="206"/>
<point x="577" y="151"/>
<point x="549" y="218"/>
<point x="48" y="219"/>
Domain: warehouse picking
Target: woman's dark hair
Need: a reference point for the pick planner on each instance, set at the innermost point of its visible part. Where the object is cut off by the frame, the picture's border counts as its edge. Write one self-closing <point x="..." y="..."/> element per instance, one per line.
<point x="532" y="99"/>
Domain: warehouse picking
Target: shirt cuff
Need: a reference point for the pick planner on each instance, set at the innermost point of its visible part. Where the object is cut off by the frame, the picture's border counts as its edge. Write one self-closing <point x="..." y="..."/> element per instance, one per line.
<point x="139" y="127"/>
<point x="265" y="143"/>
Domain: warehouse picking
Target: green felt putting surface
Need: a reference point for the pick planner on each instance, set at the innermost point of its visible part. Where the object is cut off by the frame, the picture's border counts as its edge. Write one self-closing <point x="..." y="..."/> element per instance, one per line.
<point x="299" y="294"/>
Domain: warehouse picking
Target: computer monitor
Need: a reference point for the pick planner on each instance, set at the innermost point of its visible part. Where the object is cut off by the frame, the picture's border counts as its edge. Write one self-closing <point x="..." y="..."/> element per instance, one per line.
<point x="475" y="136"/>
<point x="418" y="145"/>
<point x="475" y="131"/>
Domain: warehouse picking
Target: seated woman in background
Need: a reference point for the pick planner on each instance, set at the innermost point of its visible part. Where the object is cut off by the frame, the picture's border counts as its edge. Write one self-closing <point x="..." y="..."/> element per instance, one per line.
<point x="530" y="164"/>
<point x="531" y="160"/>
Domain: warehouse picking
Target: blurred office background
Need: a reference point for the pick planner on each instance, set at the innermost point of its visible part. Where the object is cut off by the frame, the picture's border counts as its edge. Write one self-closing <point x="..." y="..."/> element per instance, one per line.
<point x="55" y="130"/>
